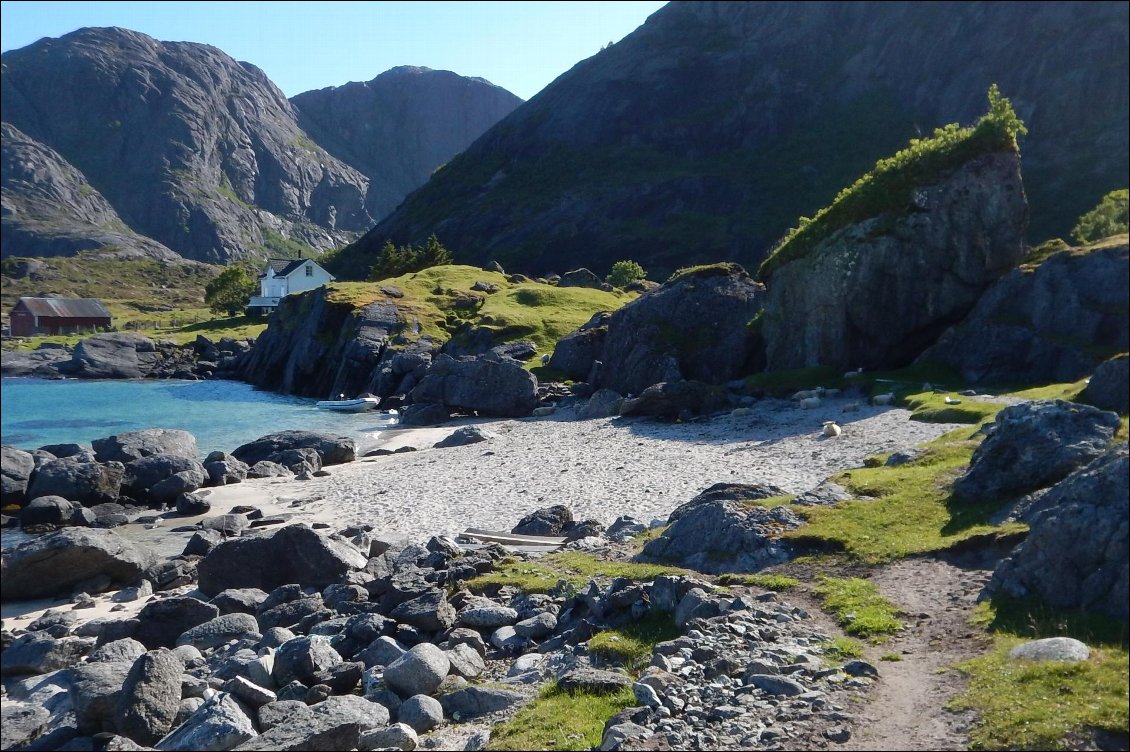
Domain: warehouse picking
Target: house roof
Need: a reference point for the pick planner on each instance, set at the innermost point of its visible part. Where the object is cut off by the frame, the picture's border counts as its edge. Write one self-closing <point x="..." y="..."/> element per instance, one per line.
<point x="79" y="308"/>
<point x="283" y="267"/>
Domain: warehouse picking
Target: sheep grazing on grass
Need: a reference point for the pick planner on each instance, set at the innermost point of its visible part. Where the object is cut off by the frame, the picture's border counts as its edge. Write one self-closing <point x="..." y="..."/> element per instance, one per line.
<point x="831" y="429"/>
<point x="809" y="403"/>
<point x="883" y="399"/>
<point x="851" y="407"/>
<point x="854" y="374"/>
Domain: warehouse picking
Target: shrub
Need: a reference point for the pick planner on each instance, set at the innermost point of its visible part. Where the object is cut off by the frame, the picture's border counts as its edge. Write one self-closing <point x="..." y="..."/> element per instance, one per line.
<point x="230" y="292"/>
<point x="393" y="260"/>
<point x="1106" y="219"/>
<point x="623" y="273"/>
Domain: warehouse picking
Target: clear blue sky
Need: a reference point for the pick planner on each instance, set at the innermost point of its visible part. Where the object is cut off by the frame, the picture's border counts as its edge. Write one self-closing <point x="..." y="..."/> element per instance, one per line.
<point x="520" y="46"/>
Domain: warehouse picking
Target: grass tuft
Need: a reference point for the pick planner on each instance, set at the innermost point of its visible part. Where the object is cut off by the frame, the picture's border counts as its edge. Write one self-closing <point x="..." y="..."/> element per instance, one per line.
<point x="632" y="644"/>
<point x="560" y="720"/>
<point x="775" y="582"/>
<point x="858" y="607"/>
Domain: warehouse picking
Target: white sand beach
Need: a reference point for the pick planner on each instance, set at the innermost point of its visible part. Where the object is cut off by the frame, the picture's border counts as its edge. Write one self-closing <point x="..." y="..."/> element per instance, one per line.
<point x="601" y="468"/>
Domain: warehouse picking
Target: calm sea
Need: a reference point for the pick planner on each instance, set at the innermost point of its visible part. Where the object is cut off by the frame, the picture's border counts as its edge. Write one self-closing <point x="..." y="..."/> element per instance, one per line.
<point x="220" y="414"/>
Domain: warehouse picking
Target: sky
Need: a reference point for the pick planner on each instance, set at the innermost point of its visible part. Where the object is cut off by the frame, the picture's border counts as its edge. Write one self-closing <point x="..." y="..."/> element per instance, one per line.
<point x="520" y="46"/>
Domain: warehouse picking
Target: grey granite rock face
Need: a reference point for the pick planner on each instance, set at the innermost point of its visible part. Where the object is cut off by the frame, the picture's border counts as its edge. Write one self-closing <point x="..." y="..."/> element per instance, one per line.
<point x="1051" y="323"/>
<point x="488" y="384"/>
<point x="1076" y="554"/>
<point x="87" y="483"/>
<point x="150" y="697"/>
<point x="1034" y="445"/>
<point x="876" y="293"/>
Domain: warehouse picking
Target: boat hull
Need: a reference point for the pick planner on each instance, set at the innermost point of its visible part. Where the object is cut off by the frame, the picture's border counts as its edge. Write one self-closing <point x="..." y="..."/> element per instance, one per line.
<point x="361" y="405"/>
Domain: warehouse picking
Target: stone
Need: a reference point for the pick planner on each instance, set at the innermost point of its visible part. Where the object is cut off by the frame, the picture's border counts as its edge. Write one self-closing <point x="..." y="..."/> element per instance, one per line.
<point x="487" y="616"/>
<point x="249" y="692"/>
<point x="676" y="398"/>
<point x="828" y="493"/>
<point x="161" y="622"/>
<point x="56" y="562"/>
<point x="303" y="658"/>
<point x="474" y="702"/>
<point x="397" y="736"/>
<point x="615" y="736"/>
<point x="418" y="672"/>
<point x="430" y="612"/>
<point x="332" y="449"/>
<point x="21" y="723"/>
<point x="16" y="467"/>
<point x="190" y="505"/>
<point x="219" y="724"/>
<point x="202" y="542"/>
<point x="38" y="653"/>
<point x="150" y="697"/>
<point x="537" y="626"/>
<point x="421" y="713"/>
<point x="487" y="384"/>
<point x="126" y="649"/>
<point x="133" y="445"/>
<point x="594" y="681"/>
<point x="774" y="685"/>
<point x="1035" y="444"/>
<point x="158" y="478"/>
<point x="1051" y="649"/>
<point x="464" y="436"/>
<point x="580" y="278"/>
<point x="274" y="713"/>
<point x="227" y="525"/>
<point x="47" y="510"/>
<point x="550" y="521"/>
<point x="465" y="661"/>
<point x="603" y="403"/>
<point x="286" y="555"/>
<point x="225" y="471"/>
<point x="86" y="483"/>
<point x="95" y="689"/>
<point x="1109" y="387"/>
<point x="220" y="630"/>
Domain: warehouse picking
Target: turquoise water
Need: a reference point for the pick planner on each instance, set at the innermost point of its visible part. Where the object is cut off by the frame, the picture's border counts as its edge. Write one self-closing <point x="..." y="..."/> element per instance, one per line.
<point x="220" y="414"/>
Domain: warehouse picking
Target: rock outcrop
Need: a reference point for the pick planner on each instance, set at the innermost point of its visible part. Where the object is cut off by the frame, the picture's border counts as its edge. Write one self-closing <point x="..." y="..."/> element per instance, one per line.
<point x="876" y="293"/>
<point x="55" y="562"/>
<point x="1032" y="446"/>
<point x="1075" y="556"/>
<point x="1109" y="388"/>
<point x="489" y="385"/>
<point x="695" y="327"/>
<point x="652" y="149"/>
<point x="1050" y="322"/>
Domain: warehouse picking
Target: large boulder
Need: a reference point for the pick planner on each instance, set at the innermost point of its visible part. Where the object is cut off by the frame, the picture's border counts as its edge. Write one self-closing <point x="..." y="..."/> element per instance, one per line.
<point x="294" y="553"/>
<point x="303" y="659"/>
<point x="332" y="449"/>
<point x="551" y="521"/>
<point x="877" y="292"/>
<point x="1075" y="556"/>
<point x="488" y="384"/>
<point x="150" y="697"/>
<point x="52" y="564"/>
<point x="145" y="478"/>
<point x="718" y="531"/>
<point x="87" y="483"/>
<point x="53" y="510"/>
<point x="115" y="355"/>
<point x="694" y="327"/>
<point x="1048" y="323"/>
<point x="127" y="447"/>
<point x="1109" y="388"/>
<point x="418" y="672"/>
<point x="580" y="278"/>
<point x="219" y="724"/>
<point x="16" y="467"/>
<point x="1034" y="445"/>
<point x="162" y="622"/>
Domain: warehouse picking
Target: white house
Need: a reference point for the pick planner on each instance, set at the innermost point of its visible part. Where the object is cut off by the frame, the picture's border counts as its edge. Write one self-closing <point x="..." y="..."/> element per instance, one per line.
<point x="284" y="276"/>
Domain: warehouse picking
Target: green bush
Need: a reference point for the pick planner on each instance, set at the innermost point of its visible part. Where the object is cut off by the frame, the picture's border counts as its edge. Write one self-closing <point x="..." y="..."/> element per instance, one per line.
<point x="888" y="187"/>
<point x="230" y="292"/>
<point x="623" y="273"/>
<point x="1106" y="219"/>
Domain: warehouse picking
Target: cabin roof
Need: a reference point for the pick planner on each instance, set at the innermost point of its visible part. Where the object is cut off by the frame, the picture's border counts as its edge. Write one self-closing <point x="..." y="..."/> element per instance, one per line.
<point x="75" y="308"/>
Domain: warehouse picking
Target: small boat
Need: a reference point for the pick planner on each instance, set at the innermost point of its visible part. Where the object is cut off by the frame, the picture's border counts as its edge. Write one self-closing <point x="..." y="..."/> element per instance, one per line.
<point x="359" y="405"/>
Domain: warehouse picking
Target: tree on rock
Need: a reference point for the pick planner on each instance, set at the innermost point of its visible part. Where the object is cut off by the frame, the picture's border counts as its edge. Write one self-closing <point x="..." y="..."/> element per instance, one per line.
<point x="230" y="292"/>
<point x="394" y="260"/>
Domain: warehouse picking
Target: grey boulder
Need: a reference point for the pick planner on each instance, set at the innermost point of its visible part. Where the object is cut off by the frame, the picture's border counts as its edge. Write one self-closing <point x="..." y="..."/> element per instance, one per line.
<point x="56" y="562"/>
<point x="127" y="447"/>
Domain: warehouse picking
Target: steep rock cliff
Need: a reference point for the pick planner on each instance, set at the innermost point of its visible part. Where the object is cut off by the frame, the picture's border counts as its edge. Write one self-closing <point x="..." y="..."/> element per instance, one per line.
<point x="876" y="293"/>
<point x="705" y="133"/>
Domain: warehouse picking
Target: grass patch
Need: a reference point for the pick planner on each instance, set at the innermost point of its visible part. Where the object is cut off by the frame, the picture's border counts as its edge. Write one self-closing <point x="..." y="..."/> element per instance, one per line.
<point x="775" y="582"/>
<point x="890" y="657"/>
<point x="858" y="607"/>
<point x="632" y="644"/>
<point x="560" y="720"/>
<point x="1045" y="705"/>
<point x="910" y="513"/>
<point x="928" y="407"/>
<point x="841" y="649"/>
<point x="572" y="568"/>
<point x="789" y="381"/>
<point x="721" y="269"/>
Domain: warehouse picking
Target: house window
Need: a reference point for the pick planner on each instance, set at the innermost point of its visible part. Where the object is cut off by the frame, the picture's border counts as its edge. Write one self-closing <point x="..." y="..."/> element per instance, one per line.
<point x="309" y="271"/>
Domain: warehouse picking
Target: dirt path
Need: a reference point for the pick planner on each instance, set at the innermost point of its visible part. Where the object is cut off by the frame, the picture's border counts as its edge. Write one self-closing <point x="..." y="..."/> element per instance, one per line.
<point x="906" y="709"/>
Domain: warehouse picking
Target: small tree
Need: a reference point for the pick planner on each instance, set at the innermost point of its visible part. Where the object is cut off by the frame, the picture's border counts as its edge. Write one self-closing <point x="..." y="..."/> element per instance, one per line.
<point x="623" y="273"/>
<point x="393" y="260"/>
<point x="1108" y="218"/>
<point x="230" y="292"/>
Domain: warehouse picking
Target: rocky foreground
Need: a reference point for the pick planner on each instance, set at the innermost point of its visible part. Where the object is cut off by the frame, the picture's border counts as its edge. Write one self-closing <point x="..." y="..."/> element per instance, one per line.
<point x="292" y="637"/>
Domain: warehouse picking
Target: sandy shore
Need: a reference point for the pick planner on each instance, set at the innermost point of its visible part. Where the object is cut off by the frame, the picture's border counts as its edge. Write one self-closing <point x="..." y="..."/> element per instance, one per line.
<point x="601" y="469"/>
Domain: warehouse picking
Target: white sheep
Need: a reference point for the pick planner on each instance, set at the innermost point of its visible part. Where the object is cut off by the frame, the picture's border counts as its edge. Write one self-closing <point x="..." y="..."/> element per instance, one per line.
<point x="883" y="399"/>
<point x="854" y="374"/>
<point x="809" y="403"/>
<point x="851" y="407"/>
<point x="831" y="429"/>
<point x="806" y="394"/>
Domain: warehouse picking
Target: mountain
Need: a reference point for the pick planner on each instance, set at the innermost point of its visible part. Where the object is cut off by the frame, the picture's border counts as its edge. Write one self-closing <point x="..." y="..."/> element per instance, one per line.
<point x="180" y="143"/>
<point x="704" y="134"/>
